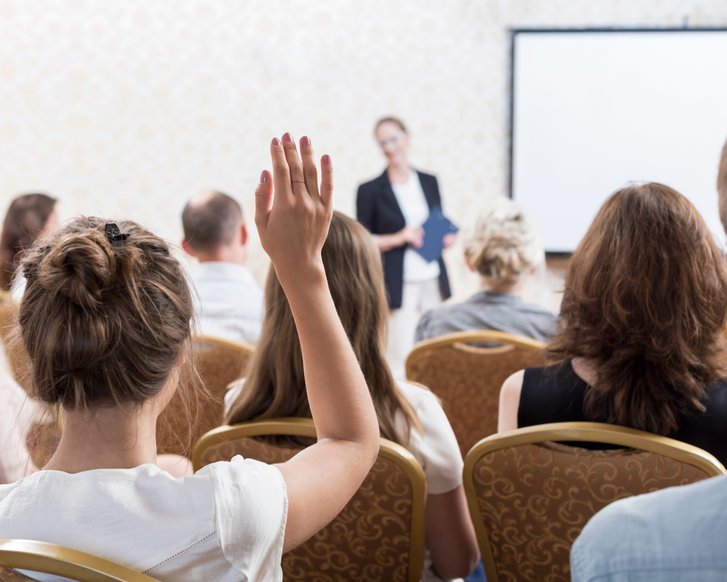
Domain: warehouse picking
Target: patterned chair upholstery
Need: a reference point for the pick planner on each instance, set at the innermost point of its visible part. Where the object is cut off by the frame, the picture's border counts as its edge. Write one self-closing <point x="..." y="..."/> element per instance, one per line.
<point x="14" y="348"/>
<point x="60" y="561"/>
<point x="218" y="362"/>
<point x="466" y="371"/>
<point x="379" y="535"/>
<point x="531" y="491"/>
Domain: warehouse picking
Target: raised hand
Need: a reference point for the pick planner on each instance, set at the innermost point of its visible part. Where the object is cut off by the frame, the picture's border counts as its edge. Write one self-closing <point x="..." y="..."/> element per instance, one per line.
<point x="292" y="212"/>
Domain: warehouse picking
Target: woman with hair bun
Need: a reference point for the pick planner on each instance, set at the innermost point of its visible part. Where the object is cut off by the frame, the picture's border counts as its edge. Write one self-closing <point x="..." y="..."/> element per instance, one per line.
<point x="504" y="249"/>
<point x="28" y="217"/>
<point x="642" y="327"/>
<point x="105" y="319"/>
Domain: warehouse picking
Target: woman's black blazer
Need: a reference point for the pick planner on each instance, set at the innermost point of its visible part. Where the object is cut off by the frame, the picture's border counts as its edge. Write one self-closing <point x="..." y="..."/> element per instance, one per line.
<point x="378" y="210"/>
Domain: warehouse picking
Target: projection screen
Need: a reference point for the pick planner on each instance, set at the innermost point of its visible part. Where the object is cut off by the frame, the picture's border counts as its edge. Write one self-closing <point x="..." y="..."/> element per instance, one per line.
<point x="595" y="109"/>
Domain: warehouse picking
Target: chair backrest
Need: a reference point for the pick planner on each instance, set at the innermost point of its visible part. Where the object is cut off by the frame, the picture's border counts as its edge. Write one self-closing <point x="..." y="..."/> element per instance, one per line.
<point x="530" y="495"/>
<point x="17" y="355"/>
<point x="219" y="362"/>
<point x="466" y="371"/>
<point x="52" y="559"/>
<point x="379" y="535"/>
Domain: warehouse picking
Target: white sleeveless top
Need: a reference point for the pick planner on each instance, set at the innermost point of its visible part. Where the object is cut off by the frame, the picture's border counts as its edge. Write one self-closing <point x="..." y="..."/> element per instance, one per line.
<point x="224" y="523"/>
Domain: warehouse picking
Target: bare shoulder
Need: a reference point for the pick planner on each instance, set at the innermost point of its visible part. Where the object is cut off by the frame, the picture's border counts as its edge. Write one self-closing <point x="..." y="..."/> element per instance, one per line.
<point x="510" y="401"/>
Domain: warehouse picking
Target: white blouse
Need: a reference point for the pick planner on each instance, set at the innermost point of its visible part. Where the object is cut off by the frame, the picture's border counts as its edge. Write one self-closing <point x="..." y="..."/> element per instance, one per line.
<point x="224" y="523"/>
<point x="435" y="447"/>
<point x="415" y="209"/>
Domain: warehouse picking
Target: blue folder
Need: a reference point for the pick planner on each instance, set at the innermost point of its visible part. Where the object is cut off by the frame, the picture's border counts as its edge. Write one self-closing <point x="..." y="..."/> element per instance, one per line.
<point x="436" y="227"/>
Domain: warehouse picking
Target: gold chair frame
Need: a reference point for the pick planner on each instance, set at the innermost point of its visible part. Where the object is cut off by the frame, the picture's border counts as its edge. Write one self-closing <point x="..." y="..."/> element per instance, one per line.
<point x="473" y="337"/>
<point x="61" y="561"/>
<point x="304" y="427"/>
<point x="592" y="432"/>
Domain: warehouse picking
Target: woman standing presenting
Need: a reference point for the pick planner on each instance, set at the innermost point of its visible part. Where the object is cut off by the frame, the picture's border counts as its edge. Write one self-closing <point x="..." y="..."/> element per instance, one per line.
<point x="393" y="208"/>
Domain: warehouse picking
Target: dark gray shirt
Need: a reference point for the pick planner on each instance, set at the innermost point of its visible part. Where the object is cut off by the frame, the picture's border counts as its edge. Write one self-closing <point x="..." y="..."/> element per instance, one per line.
<point x="487" y="310"/>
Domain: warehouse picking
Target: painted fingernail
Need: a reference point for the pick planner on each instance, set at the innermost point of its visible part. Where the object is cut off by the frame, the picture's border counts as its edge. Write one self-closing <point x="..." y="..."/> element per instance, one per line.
<point x="326" y="159"/>
<point x="287" y="137"/>
<point x="305" y="140"/>
<point x="263" y="177"/>
<point x="276" y="142"/>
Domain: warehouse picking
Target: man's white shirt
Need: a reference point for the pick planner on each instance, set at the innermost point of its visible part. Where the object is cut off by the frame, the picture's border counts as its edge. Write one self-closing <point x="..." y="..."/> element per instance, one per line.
<point x="228" y="301"/>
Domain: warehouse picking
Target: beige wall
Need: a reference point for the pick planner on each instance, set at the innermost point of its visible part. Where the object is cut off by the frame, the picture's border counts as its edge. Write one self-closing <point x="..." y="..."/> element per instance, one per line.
<point x="127" y="108"/>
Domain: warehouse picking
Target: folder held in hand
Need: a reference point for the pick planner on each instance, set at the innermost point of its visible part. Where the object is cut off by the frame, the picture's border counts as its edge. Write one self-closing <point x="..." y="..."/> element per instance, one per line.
<point x="436" y="227"/>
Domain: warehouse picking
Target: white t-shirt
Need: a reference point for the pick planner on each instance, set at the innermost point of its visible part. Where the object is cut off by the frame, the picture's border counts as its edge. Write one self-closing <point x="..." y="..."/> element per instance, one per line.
<point x="225" y="523"/>
<point x="435" y="449"/>
<point x="228" y="302"/>
<point x="415" y="209"/>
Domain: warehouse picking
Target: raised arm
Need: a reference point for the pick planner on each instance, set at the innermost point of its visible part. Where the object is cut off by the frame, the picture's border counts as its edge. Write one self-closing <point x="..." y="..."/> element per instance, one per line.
<point x="292" y="217"/>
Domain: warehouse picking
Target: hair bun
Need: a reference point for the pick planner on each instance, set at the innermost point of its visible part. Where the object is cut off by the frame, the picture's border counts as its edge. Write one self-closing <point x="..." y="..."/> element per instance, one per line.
<point x="79" y="267"/>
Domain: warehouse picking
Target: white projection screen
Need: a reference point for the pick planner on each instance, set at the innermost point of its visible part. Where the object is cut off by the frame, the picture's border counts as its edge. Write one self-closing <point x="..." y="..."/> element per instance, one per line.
<point x="595" y="109"/>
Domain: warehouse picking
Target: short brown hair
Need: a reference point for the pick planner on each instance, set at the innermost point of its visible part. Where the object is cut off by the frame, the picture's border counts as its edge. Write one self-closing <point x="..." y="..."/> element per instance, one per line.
<point x="646" y="301"/>
<point x="211" y="222"/>
<point x="25" y="220"/>
<point x="103" y="318"/>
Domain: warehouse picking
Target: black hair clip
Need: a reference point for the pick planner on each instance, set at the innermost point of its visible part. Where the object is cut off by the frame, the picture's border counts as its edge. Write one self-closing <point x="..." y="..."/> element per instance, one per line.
<point x="113" y="233"/>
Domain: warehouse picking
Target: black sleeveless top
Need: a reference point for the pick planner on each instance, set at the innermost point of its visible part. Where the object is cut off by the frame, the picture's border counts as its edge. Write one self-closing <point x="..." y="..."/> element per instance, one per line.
<point x="555" y="394"/>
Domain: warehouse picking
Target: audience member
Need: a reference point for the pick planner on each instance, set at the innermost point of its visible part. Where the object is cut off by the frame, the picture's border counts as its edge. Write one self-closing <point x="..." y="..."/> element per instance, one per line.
<point x="28" y="217"/>
<point x="643" y="314"/>
<point x="228" y="301"/>
<point x="674" y="534"/>
<point x="408" y="414"/>
<point x="17" y="412"/>
<point x="105" y="319"/>
<point x="504" y="249"/>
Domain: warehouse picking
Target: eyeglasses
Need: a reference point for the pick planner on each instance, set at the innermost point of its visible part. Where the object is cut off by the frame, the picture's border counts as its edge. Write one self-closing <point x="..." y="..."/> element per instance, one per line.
<point x="390" y="141"/>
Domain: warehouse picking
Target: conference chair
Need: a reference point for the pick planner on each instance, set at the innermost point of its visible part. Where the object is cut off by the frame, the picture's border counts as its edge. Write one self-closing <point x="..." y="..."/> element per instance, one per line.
<point x="16" y="354"/>
<point x="47" y="558"/>
<point x="466" y="371"/>
<point x="532" y="490"/>
<point x="218" y="363"/>
<point x="379" y="535"/>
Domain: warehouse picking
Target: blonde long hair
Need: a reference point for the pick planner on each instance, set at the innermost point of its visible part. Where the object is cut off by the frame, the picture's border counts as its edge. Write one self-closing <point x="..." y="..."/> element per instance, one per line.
<point x="275" y="384"/>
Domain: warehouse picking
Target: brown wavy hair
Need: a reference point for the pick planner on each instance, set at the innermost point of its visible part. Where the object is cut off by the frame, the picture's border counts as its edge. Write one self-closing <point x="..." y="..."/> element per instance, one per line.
<point x="645" y="302"/>
<point x="26" y="218"/>
<point x="275" y="384"/>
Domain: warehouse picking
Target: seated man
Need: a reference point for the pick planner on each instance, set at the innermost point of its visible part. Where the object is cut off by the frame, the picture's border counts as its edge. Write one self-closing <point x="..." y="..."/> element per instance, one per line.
<point x="228" y="301"/>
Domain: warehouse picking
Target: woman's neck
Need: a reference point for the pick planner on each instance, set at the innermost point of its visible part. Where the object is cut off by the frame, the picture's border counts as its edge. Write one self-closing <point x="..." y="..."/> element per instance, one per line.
<point x="117" y="437"/>
<point x="585" y="369"/>
<point x="399" y="173"/>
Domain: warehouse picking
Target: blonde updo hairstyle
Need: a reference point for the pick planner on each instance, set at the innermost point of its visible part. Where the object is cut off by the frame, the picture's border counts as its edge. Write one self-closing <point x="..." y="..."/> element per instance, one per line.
<point x="105" y="315"/>
<point x="503" y="245"/>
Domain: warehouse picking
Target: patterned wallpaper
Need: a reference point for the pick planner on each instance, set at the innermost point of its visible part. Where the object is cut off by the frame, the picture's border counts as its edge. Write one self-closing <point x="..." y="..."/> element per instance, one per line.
<point x="128" y="108"/>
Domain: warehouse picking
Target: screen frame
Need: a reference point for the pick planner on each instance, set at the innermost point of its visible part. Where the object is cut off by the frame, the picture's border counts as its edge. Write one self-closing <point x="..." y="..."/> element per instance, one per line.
<point x="514" y="32"/>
